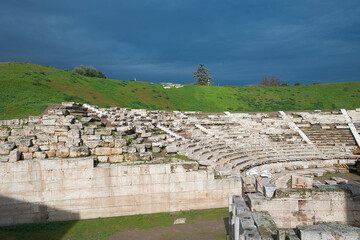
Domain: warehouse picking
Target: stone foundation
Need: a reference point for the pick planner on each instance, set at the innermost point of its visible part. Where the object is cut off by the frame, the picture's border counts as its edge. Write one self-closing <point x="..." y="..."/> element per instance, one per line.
<point x="70" y="189"/>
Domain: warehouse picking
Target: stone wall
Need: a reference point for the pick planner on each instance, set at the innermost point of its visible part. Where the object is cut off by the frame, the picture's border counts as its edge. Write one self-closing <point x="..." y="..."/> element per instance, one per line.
<point x="68" y="189"/>
<point x="292" y="207"/>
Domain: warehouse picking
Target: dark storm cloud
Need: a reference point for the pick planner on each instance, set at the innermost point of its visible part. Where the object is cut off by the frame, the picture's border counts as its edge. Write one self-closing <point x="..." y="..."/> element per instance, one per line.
<point x="163" y="41"/>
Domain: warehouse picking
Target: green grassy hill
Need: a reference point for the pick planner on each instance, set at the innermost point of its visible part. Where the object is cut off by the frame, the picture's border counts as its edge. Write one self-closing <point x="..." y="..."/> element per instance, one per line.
<point x="26" y="89"/>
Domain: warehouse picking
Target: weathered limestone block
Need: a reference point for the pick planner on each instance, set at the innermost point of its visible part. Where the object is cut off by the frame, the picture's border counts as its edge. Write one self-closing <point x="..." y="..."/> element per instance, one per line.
<point x="131" y="157"/>
<point x="34" y="119"/>
<point x="17" y="132"/>
<point x="89" y="130"/>
<point x="14" y="138"/>
<point x="269" y="190"/>
<point x="25" y="142"/>
<point x="146" y="135"/>
<point x="23" y="149"/>
<point x="104" y="159"/>
<point x="171" y="149"/>
<point x="40" y="142"/>
<point x="146" y="156"/>
<point x="63" y="152"/>
<point x="33" y="149"/>
<point x="39" y="155"/>
<point x="14" y="155"/>
<point x="116" y="151"/>
<point x="301" y="182"/>
<point x="5" y="148"/>
<point x="93" y="143"/>
<point x="116" y="158"/>
<point x="140" y="148"/>
<point x="108" y="139"/>
<point x="44" y="148"/>
<point x="131" y="149"/>
<point x="51" y="153"/>
<point x="156" y="149"/>
<point x="103" y="132"/>
<point x="49" y="122"/>
<point x="4" y="158"/>
<point x="82" y="151"/>
<point x="47" y="129"/>
<point x="157" y="144"/>
<point x="73" y="142"/>
<point x="61" y="128"/>
<point x="74" y="133"/>
<point x="103" y="151"/>
<point x="4" y="133"/>
<point x="339" y="180"/>
<point x="120" y="142"/>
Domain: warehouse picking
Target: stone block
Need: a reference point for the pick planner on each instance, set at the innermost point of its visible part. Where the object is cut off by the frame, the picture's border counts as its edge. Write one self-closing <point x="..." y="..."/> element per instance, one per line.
<point x="339" y="180"/>
<point x="89" y="130"/>
<point x="103" y="151"/>
<point x="33" y="149"/>
<point x="24" y="149"/>
<point x="25" y="142"/>
<point x="51" y="153"/>
<point x="4" y="133"/>
<point x="131" y="157"/>
<point x="301" y="181"/>
<point x="156" y="149"/>
<point x="120" y="142"/>
<point x="330" y="182"/>
<point x="4" y="158"/>
<point x="14" y="155"/>
<point x="103" y="158"/>
<point x="93" y="143"/>
<point x="146" y="156"/>
<point x="5" y="148"/>
<point x="82" y="151"/>
<point x="116" y="158"/>
<point x="39" y="155"/>
<point x="27" y="155"/>
<point x="103" y="131"/>
<point x="171" y="149"/>
<point x="140" y="148"/>
<point x="131" y="150"/>
<point x="116" y="151"/>
<point x="74" y="133"/>
<point x="269" y="190"/>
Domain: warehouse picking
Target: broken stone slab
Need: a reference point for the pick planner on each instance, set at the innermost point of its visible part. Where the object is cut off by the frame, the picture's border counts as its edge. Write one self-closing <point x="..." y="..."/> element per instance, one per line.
<point x="180" y="221"/>
<point x="5" y="148"/>
<point x="339" y="180"/>
<point x="269" y="190"/>
<point x="330" y="182"/>
<point x="327" y="231"/>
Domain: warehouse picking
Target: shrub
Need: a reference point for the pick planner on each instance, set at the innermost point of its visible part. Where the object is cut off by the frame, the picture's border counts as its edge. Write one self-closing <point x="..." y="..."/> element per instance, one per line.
<point x="88" y="71"/>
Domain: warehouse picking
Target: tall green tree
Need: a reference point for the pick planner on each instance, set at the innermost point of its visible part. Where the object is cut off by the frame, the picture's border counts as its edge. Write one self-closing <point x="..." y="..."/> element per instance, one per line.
<point x="203" y="76"/>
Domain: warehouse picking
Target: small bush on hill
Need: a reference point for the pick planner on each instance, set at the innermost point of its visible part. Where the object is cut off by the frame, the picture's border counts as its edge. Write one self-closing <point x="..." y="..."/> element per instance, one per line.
<point x="269" y="82"/>
<point x="88" y="71"/>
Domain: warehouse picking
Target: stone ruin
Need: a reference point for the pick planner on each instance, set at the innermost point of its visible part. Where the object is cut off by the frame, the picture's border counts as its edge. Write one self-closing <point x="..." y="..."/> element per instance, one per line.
<point x="267" y="151"/>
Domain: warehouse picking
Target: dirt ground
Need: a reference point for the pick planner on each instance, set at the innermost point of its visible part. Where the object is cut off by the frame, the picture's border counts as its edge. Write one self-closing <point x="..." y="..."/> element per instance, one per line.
<point x="205" y="230"/>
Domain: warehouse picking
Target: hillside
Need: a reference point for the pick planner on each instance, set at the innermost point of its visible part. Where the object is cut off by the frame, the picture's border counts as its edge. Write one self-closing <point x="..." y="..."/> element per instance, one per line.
<point x="26" y="89"/>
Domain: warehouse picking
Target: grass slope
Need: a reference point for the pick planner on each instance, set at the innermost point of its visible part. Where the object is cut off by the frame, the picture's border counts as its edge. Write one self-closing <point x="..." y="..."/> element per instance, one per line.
<point x="101" y="228"/>
<point x="26" y="89"/>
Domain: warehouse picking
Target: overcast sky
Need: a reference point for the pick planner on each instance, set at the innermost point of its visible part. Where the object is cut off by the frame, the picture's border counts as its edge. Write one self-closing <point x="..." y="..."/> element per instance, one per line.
<point x="303" y="41"/>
